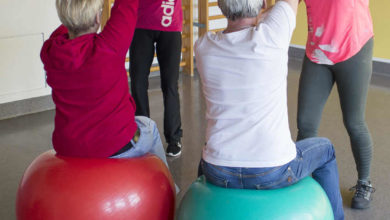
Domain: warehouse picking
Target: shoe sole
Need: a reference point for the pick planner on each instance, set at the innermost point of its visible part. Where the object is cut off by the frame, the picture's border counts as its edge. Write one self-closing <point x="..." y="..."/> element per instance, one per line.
<point x="173" y="155"/>
<point x="356" y="206"/>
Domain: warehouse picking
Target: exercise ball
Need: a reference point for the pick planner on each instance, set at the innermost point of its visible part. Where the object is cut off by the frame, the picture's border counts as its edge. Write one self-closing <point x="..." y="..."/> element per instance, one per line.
<point x="302" y="201"/>
<point x="55" y="188"/>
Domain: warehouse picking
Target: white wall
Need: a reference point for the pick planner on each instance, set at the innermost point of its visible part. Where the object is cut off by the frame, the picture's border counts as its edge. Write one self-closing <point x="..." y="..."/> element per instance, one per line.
<point x="24" y="25"/>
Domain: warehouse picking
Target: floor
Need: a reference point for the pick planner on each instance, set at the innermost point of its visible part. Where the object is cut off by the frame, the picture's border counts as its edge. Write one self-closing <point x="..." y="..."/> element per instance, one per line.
<point x="23" y="138"/>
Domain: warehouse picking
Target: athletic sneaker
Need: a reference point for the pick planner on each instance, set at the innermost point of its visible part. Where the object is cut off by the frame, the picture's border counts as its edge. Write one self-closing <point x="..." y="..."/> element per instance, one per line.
<point x="363" y="195"/>
<point x="174" y="149"/>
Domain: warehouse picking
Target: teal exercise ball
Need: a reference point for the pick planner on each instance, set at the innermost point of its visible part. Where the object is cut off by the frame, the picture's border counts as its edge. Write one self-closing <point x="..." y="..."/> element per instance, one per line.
<point x="305" y="200"/>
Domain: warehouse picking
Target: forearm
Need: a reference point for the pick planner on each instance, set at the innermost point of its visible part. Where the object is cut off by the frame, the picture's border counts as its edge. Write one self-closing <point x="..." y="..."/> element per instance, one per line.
<point x="119" y="30"/>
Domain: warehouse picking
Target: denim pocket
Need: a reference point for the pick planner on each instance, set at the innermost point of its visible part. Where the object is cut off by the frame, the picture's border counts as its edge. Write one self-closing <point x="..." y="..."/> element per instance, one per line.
<point x="277" y="179"/>
<point x="213" y="175"/>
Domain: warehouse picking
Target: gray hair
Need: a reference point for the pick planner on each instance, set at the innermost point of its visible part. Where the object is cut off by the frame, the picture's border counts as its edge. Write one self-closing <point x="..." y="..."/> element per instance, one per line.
<point x="78" y="15"/>
<point x="236" y="9"/>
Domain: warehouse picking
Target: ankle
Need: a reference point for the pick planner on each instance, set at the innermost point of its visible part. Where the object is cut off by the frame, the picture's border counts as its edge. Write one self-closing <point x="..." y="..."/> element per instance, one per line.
<point x="365" y="182"/>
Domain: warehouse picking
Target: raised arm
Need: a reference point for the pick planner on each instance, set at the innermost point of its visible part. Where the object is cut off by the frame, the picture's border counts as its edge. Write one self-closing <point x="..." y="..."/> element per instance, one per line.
<point x="293" y="4"/>
<point x="279" y="22"/>
<point x="268" y="5"/>
<point x="119" y="29"/>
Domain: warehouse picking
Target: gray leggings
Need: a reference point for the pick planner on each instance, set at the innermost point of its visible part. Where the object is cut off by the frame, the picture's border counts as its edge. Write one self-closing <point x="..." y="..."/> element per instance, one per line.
<point x="352" y="78"/>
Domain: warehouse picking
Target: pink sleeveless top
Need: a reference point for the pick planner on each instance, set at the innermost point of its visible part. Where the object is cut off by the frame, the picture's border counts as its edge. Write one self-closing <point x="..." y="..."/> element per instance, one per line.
<point x="337" y="29"/>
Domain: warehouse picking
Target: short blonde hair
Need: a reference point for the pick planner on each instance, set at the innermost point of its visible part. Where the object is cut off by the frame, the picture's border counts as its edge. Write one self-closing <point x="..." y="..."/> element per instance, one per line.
<point x="78" y="15"/>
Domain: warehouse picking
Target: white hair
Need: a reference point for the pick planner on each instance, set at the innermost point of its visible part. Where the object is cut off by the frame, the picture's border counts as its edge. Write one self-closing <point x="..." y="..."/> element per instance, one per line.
<point x="78" y="15"/>
<point x="236" y="9"/>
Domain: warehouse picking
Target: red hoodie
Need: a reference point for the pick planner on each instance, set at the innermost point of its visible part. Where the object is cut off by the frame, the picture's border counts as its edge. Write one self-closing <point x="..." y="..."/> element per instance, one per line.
<point x="94" y="110"/>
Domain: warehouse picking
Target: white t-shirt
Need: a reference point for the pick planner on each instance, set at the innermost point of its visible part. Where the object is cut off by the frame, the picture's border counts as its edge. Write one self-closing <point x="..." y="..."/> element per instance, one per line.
<point x="244" y="80"/>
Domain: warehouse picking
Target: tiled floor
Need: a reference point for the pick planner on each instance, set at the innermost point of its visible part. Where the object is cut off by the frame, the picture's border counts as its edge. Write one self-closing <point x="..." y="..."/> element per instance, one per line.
<point x="23" y="138"/>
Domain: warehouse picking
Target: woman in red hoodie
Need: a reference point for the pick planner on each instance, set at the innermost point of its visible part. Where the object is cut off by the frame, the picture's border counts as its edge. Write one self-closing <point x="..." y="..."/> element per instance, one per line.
<point x="94" y="110"/>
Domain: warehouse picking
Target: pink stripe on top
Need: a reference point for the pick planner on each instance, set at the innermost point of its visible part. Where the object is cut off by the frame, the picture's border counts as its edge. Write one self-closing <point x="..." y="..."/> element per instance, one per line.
<point x="160" y="15"/>
<point x="338" y="29"/>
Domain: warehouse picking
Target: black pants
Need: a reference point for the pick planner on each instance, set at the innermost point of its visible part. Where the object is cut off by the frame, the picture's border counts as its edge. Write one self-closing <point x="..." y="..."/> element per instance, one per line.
<point x="168" y="49"/>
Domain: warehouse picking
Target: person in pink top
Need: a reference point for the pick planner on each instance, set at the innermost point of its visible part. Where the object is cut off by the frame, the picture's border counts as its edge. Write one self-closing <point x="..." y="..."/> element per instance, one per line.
<point x="158" y="28"/>
<point x="339" y="51"/>
<point x="94" y="110"/>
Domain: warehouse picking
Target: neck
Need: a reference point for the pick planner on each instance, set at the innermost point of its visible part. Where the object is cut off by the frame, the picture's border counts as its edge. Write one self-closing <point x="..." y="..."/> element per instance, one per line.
<point x="90" y="31"/>
<point x="240" y="24"/>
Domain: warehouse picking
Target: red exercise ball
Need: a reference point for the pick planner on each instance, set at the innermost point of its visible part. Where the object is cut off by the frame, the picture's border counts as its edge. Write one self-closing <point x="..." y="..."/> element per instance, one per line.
<point x="55" y="187"/>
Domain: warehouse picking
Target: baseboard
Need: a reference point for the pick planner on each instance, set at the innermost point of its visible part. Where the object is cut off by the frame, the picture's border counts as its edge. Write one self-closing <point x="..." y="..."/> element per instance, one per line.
<point x="26" y="106"/>
<point x="38" y="104"/>
<point x="379" y="66"/>
<point x="296" y="52"/>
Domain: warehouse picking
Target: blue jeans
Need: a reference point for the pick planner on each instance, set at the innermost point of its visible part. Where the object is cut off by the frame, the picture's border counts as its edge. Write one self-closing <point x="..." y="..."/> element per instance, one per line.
<point x="149" y="141"/>
<point x="315" y="156"/>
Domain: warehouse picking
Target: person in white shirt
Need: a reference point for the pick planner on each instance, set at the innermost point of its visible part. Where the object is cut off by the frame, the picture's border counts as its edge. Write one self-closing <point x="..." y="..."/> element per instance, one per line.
<point x="243" y="71"/>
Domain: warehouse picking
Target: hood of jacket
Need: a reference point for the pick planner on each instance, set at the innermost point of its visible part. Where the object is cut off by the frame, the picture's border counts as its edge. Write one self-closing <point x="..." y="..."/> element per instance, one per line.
<point x="64" y="54"/>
